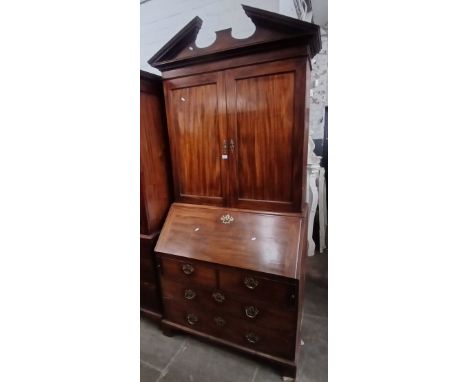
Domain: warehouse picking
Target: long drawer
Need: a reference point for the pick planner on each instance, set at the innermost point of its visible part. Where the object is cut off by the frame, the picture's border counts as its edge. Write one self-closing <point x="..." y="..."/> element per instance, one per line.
<point x="259" y="313"/>
<point x="240" y="332"/>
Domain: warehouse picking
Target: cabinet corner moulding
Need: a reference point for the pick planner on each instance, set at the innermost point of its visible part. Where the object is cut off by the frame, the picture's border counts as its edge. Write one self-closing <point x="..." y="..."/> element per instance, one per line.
<point x="272" y="31"/>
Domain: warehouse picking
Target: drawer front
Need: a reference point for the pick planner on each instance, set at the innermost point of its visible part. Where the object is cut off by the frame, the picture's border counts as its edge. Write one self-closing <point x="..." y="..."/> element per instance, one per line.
<point x="231" y="329"/>
<point x="149" y="296"/>
<point x="192" y="317"/>
<point x="261" y="314"/>
<point x="261" y="339"/>
<point x="188" y="272"/>
<point x="256" y="288"/>
<point x="147" y="271"/>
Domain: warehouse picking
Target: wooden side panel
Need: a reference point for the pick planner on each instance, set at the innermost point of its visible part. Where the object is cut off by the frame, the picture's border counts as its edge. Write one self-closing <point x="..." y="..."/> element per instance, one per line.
<point x="150" y="304"/>
<point x="195" y="114"/>
<point x="266" y="122"/>
<point x="155" y="190"/>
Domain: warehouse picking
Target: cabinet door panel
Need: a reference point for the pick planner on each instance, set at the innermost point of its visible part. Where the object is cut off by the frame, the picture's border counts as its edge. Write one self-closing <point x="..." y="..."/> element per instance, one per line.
<point x="196" y="126"/>
<point x="266" y="121"/>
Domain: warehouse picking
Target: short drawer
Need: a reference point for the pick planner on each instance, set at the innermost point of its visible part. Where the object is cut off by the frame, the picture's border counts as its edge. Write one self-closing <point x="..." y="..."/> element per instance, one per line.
<point x="252" y="287"/>
<point x="192" y="317"/>
<point x="261" y="314"/>
<point x="188" y="271"/>
<point x="147" y="271"/>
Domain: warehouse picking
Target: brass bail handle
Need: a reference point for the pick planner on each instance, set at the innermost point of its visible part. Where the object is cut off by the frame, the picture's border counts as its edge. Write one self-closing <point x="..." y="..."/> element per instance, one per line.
<point x="218" y="297"/>
<point x="252" y="338"/>
<point x="251" y="311"/>
<point x="192" y="319"/>
<point x="188" y="269"/>
<point x="250" y="282"/>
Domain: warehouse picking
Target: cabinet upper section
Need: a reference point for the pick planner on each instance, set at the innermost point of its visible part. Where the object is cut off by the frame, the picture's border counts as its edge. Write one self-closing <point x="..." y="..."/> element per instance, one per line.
<point x="238" y="113"/>
<point x="237" y="136"/>
<point x="273" y="32"/>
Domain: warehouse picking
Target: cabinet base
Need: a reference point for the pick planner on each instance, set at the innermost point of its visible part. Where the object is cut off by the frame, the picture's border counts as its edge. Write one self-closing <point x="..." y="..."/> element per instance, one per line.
<point x="288" y="373"/>
<point x="167" y="331"/>
<point x="286" y="368"/>
<point x="153" y="316"/>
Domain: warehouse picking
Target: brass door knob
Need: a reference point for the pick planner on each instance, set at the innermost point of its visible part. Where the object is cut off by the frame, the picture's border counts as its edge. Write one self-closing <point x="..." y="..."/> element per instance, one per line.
<point x="218" y="297"/>
<point x="192" y="319"/>
<point x="189" y="294"/>
<point x="251" y="283"/>
<point x="251" y="311"/>
<point x="187" y="269"/>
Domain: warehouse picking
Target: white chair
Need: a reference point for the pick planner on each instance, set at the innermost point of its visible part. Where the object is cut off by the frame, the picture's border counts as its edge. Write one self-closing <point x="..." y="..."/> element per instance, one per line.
<point x="316" y="197"/>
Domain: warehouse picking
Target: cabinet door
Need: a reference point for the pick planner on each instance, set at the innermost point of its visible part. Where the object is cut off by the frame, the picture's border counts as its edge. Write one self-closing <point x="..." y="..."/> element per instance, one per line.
<point x="196" y="109"/>
<point x="266" y="120"/>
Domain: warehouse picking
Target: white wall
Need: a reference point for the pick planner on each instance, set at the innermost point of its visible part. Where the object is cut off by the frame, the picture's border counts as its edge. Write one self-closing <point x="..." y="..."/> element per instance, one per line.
<point x="319" y="90"/>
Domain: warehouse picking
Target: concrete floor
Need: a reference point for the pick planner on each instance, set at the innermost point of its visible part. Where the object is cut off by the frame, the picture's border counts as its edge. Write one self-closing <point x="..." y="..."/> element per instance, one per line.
<point x="184" y="358"/>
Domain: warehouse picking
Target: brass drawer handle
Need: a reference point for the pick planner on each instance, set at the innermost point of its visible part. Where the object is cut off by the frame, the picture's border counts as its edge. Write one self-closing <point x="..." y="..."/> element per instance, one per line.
<point x="218" y="297"/>
<point x="251" y="311"/>
<point x="219" y="321"/>
<point x="252" y="338"/>
<point x="187" y="269"/>
<point x="251" y="283"/>
<point x="189" y="294"/>
<point x="192" y="319"/>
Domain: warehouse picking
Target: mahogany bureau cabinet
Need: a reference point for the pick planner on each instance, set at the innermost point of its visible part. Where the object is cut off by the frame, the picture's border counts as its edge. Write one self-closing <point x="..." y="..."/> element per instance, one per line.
<point x="231" y="253"/>
<point x="155" y="188"/>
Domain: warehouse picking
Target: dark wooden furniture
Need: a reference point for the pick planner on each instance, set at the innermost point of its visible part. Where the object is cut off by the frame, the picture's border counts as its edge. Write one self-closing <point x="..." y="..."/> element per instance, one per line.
<point x="155" y="188"/>
<point x="232" y="250"/>
<point x="235" y="276"/>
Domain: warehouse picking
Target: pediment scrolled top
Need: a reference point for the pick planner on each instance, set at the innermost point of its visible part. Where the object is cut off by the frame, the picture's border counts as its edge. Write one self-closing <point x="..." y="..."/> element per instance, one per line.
<point x="271" y="29"/>
<point x="225" y="41"/>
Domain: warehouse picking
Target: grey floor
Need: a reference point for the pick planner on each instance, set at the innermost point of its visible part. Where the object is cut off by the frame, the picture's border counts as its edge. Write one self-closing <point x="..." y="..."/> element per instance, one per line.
<point x="184" y="358"/>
